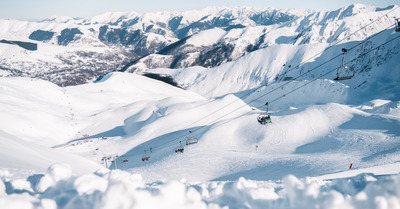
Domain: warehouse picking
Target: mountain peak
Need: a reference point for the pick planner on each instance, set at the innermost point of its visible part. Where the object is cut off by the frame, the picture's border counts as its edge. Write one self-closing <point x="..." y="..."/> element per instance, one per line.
<point x="59" y="19"/>
<point x="113" y="17"/>
<point x="358" y="8"/>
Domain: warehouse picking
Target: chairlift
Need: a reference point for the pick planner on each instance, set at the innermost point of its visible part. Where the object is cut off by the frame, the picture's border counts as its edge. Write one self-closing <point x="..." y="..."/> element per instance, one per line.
<point x="179" y="149"/>
<point x="397" y="24"/>
<point x="345" y="72"/>
<point x="264" y="118"/>
<point x="191" y="140"/>
<point x="145" y="157"/>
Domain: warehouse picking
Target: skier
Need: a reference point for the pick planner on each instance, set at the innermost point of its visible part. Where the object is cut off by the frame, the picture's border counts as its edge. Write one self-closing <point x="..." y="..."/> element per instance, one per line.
<point x="268" y="119"/>
<point x="260" y="120"/>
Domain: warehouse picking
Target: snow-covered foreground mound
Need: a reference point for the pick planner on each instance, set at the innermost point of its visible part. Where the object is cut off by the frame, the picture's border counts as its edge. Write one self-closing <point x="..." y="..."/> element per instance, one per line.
<point x="118" y="189"/>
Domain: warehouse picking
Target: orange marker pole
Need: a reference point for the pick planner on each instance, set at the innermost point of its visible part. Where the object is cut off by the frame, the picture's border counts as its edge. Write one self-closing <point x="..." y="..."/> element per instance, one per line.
<point x="351" y="165"/>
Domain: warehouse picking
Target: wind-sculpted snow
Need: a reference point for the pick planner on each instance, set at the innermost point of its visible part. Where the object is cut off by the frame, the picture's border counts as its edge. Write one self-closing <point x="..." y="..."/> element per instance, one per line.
<point x="117" y="189"/>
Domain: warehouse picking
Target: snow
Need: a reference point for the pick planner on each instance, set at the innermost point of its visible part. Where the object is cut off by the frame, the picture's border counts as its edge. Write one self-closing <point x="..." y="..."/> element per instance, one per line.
<point x="53" y="139"/>
<point x="206" y="37"/>
<point x="112" y="17"/>
<point x="20" y="154"/>
<point x="237" y="162"/>
<point x="118" y="189"/>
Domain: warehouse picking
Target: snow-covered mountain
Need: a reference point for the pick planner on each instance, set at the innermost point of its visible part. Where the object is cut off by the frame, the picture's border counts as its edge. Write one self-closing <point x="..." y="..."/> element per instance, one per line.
<point x="218" y="45"/>
<point x="77" y="50"/>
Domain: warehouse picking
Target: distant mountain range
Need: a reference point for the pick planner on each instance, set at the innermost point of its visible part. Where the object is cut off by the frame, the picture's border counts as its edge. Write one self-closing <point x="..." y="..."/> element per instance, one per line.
<point x="73" y="51"/>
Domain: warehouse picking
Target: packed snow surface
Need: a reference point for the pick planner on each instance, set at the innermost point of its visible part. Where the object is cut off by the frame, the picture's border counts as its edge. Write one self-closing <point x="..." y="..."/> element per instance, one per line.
<point x="237" y="163"/>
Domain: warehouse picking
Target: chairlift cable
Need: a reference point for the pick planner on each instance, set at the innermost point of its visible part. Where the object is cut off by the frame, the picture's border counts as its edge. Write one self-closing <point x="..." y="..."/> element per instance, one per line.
<point x="312" y="57"/>
<point x="272" y="101"/>
<point x="257" y="98"/>
<point x="247" y="94"/>
<point x="282" y="96"/>
<point x="341" y="40"/>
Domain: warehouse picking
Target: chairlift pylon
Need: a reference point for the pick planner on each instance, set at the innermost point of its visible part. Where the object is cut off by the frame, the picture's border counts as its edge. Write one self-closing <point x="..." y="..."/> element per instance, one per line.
<point x="397" y="24"/>
<point x="264" y="118"/>
<point x="344" y="69"/>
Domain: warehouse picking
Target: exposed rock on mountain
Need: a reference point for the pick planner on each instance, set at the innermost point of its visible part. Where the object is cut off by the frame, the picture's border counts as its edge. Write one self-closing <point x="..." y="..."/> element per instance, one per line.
<point x="77" y="50"/>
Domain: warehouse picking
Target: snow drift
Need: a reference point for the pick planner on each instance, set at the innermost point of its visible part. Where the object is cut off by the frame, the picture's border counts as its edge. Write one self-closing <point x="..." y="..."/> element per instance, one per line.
<point x="118" y="189"/>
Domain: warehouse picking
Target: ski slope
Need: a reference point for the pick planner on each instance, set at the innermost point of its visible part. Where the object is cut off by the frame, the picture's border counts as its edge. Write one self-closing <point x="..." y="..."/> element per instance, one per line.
<point x="317" y="137"/>
<point x="317" y="132"/>
<point x="54" y="139"/>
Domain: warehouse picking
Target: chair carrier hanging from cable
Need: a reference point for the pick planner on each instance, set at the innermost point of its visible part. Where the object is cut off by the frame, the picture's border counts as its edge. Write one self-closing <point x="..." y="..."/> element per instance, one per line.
<point x="345" y="72"/>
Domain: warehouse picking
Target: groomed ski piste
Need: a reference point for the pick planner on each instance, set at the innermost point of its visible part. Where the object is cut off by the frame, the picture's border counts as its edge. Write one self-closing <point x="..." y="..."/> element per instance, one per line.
<point x="331" y="144"/>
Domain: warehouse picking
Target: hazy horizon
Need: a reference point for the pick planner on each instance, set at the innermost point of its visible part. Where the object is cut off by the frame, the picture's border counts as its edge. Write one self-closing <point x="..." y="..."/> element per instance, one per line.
<point x="42" y="9"/>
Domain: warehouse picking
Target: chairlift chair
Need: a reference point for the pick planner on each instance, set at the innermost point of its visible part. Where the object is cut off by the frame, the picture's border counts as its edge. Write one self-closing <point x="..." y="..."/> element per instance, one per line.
<point x="265" y="117"/>
<point x="191" y="140"/>
<point x="145" y="157"/>
<point x="179" y="149"/>
<point x="342" y="71"/>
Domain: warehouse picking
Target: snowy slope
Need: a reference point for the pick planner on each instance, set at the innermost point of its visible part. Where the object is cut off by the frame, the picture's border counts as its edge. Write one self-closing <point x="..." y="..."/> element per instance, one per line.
<point x="41" y="113"/>
<point x="33" y="111"/>
<point x="304" y="139"/>
<point x="133" y="117"/>
<point x="316" y="134"/>
<point x="30" y="158"/>
<point x="306" y="61"/>
<point x="320" y="127"/>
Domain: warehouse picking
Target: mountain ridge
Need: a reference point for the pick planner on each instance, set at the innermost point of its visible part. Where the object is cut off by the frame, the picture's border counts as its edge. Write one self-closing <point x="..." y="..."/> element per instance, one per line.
<point x="77" y="50"/>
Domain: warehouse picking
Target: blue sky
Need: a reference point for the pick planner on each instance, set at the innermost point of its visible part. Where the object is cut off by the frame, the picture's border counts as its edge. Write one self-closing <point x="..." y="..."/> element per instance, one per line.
<point x="41" y="9"/>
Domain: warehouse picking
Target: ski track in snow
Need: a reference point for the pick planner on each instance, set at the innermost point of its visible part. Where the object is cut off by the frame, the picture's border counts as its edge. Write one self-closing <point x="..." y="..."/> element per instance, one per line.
<point x="122" y="115"/>
<point x="305" y="141"/>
